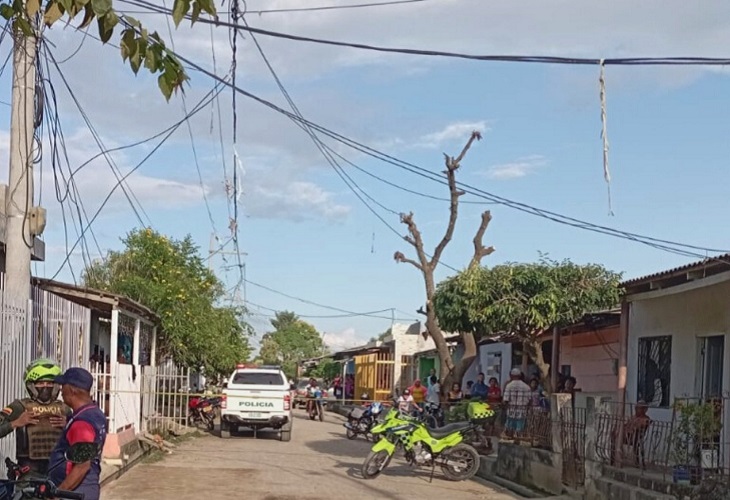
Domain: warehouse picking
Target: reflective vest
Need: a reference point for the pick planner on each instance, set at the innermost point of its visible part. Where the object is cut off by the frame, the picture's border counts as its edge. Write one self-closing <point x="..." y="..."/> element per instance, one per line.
<point x="41" y="438"/>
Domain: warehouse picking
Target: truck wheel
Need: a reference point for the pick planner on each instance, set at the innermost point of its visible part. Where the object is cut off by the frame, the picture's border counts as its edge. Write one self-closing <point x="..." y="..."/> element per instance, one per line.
<point x="285" y="433"/>
<point x="225" y="430"/>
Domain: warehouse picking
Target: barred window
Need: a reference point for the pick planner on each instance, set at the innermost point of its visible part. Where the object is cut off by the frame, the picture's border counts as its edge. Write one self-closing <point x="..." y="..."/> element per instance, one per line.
<point x="655" y="363"/>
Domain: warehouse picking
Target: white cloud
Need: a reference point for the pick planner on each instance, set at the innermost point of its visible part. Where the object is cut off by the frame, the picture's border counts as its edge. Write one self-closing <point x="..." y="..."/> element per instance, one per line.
<point x="458" y="131"/>
<point x="516" y="169"/>
<point x="345" y="339"/>
<point x="294" y="200"/>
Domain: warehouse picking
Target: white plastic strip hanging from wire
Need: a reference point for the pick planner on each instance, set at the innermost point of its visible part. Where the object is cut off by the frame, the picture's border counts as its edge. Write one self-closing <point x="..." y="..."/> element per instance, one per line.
<point x="604" y="133"/>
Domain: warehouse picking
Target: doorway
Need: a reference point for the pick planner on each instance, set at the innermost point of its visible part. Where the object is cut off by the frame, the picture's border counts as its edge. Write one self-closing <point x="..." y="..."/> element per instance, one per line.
<point x="711" y="369"/>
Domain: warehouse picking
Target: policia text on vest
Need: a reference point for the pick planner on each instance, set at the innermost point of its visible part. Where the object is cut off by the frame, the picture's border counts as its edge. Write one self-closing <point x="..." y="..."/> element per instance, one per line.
<point x="37" y="429"/>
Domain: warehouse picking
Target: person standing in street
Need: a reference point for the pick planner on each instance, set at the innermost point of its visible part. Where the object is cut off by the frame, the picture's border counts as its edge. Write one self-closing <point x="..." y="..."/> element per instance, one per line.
<point x="38" y="420"/>
<point x="517" y="395"/>
<point x="87" y="424"/>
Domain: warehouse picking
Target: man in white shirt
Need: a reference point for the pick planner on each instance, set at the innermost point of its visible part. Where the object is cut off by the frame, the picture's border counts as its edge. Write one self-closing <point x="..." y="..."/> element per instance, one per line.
<point x="517" y="395"/>
<point x="433" y="395"/>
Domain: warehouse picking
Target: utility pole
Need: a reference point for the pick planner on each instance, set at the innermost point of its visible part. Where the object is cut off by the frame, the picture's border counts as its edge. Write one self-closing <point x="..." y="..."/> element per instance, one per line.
<point x="212" y="251"/>
<point x="22" y="220"/>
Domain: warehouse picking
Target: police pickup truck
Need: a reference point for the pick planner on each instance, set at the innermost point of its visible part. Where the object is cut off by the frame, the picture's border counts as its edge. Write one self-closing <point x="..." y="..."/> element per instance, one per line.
<point x="257" y="397"/>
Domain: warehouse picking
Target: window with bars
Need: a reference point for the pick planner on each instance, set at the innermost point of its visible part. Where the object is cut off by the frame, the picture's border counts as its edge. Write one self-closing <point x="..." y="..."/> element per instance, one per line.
<point x="654" y="374"/>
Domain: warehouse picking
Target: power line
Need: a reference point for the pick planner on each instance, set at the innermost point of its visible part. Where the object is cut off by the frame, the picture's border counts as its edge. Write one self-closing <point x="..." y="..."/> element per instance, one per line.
<point x="306" y="9"/>
<point x="126" y="189"/>
<point x="192" y="138"/>
<point x="329" y="316"/>
<point x="326" y="151"/>
<point x="661" y="244"/>
<point x="324" y="306"/>
<point x="201" y="105"/>
<point x="619" y="61"/>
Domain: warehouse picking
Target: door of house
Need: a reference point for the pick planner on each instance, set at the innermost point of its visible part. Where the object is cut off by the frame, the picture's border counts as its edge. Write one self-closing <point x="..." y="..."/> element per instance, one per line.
<point x="710" y="374"/>
<point x="425" y="366"/>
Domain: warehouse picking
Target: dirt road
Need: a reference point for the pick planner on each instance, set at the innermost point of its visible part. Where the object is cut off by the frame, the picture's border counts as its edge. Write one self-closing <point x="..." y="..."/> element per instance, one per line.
<point x="318" y="463"/>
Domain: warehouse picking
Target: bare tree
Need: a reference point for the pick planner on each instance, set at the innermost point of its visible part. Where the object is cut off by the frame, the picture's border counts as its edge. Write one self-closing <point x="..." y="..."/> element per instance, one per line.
<point x="450" y="372"/>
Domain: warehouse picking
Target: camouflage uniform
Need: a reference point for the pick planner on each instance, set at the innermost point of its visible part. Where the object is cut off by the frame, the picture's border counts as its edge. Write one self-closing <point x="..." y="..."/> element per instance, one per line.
<point x="34" y="442"/>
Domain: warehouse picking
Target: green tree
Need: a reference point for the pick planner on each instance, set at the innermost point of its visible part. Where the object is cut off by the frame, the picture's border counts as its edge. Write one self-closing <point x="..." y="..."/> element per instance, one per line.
<point x="170" y="277"/>
<point x="326" y="369"/>
<point x="138" y="47"/>
<point x="292" y="341"/>
<point x="382" y="336"/>
<point x="525" y="300"/>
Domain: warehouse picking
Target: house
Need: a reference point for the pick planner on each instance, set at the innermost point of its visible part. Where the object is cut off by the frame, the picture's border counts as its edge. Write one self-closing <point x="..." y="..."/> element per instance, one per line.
<point x="676" y="334"/>
<point x="121" y="346"/>
<point x="380" y="367"/>
<point x="589" y="351"/>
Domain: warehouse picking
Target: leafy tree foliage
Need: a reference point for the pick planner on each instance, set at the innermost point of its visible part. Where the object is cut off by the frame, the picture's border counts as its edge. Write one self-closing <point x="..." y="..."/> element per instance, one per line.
<point x="524" y="300"/>
<point x="138" y="46"/>
<point x="292" y="341"/>
<point x="327" y="369"/>
<point x="382" y="336"/>
<point x="170" y="277"/>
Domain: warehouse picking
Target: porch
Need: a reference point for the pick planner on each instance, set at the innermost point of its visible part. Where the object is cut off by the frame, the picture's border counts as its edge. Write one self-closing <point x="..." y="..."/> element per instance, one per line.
<point x="121" y="350"/>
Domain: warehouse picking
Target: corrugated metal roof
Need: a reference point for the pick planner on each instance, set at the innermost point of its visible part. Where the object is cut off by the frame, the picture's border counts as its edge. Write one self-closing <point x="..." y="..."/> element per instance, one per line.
<point x="723" y="260"/>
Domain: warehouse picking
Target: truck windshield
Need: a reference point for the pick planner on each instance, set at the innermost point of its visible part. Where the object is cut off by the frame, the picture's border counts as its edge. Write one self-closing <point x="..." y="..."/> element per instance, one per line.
<point x="258" y="378"/>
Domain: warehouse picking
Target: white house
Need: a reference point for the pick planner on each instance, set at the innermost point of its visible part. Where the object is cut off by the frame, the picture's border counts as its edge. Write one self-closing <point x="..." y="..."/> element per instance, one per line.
<point x="677" y="327"/>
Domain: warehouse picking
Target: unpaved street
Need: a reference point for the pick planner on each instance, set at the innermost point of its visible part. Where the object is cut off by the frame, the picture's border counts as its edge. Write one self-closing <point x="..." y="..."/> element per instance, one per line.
<point x="318" y="463"/>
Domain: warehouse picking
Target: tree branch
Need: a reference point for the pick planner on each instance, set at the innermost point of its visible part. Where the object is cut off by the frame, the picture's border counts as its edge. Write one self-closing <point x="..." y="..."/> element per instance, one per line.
<point x="452" y="165"/>
<point x="480" y="250"/>
<point x="399" y="257"/>
<point x="415" y="239"/>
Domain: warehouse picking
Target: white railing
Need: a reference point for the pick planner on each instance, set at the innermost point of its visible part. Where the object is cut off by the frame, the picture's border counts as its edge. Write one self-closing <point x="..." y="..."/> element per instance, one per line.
<point x="164" y="397"/>
<point x="14" y="357"/>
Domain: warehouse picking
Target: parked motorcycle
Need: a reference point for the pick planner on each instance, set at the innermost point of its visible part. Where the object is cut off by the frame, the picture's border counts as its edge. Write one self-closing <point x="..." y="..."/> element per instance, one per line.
<point x="202" y="410"/>
<point x="21" y="485"/>
<point x="360" y="421"/>
<point x="446" y="446"/>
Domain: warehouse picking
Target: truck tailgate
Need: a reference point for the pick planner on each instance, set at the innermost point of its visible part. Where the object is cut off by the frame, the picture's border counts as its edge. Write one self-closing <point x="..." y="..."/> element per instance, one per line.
<point x="255" y="403"/>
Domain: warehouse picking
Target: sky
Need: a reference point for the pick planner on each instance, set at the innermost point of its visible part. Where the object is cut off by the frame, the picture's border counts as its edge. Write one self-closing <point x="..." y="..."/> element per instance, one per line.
<point x="308" y="236"/>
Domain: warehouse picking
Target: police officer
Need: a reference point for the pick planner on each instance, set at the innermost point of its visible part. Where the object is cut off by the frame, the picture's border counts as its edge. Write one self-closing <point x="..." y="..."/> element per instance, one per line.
<point x="39" y="420"/>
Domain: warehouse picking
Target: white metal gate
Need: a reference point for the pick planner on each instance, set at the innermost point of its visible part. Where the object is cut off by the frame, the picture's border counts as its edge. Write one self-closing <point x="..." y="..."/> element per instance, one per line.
<point x="14" y="357"/>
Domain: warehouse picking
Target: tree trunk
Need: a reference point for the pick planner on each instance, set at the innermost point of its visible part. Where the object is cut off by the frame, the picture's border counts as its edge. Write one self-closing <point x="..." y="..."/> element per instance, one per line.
<point x="534" y="348"/>
<point x="457" y="374"/>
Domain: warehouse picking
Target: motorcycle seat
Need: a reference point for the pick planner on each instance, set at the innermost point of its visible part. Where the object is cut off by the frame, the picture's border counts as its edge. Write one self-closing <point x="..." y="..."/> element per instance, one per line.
<point x="444" y="431"/>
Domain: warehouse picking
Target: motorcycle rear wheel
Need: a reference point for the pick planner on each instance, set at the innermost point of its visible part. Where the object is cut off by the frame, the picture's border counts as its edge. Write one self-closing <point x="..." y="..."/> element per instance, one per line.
<point x="375" y="463"/>
<point x="461" y="452"/>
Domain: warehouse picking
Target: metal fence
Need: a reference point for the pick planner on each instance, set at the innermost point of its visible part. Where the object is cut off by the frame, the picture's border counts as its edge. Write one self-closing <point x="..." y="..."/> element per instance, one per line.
<point x="164" y="398"/>
<point x="628" y="437"/>
<point x="15" y="353"/>
<point x="572" y="422"/>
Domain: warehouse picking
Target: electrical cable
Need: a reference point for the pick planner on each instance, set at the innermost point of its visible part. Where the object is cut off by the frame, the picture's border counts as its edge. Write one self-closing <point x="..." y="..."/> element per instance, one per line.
<point x="661" y="244"/>
<point x="619" y="61"/>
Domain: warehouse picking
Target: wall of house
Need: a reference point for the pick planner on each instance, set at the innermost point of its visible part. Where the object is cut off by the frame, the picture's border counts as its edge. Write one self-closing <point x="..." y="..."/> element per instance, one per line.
<point x="592" y="357"/>
<point x="685" y="316"/>
<point x="407" y="342"/>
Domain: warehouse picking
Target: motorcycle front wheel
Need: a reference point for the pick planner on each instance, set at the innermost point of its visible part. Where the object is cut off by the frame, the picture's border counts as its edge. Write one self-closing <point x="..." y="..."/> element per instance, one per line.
<point x="375" y="463"/>
<point x="463" y="454"/>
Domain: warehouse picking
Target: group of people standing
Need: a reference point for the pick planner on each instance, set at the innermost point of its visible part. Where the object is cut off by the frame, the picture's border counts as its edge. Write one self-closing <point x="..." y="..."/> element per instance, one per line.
<point x="46" y="428"/>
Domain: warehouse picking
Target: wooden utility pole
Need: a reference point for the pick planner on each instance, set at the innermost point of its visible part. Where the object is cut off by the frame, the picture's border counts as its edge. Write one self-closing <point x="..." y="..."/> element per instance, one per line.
<point x="22" y="220"/>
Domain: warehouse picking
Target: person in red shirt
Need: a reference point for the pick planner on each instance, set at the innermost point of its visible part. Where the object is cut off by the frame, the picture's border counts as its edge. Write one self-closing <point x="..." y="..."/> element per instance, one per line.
<point x="494" y="393"/>
<point x="418" y="392"/>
